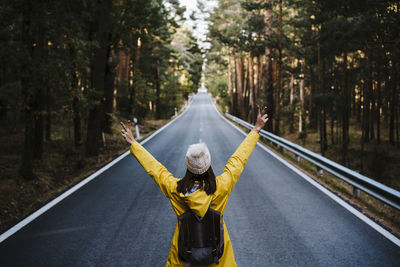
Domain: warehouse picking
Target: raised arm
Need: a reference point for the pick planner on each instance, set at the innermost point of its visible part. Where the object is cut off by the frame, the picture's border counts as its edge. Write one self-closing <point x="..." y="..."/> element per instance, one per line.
<point x="238" y="160"/>
<point x="164" y="179"/>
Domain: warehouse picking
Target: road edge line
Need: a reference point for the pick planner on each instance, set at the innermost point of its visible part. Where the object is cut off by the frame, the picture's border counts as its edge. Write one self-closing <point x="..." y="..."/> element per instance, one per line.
<point x="79" y="185"/>
<point x="330" y="194"/>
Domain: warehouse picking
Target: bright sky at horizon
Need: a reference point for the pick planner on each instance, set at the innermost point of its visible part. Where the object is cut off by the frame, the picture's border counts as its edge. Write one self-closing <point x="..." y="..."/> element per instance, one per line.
<point x="200" y="26"/>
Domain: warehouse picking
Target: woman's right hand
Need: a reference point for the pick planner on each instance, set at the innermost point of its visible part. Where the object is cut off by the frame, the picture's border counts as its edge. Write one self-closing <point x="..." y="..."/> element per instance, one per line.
<point x="127" y="133"/>
<point x="262" y="119"/>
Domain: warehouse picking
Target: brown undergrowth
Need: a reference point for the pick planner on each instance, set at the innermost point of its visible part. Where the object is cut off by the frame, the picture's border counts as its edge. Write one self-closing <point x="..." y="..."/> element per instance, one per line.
<point x="62" y="166"/>
<point x="381" y="163"/>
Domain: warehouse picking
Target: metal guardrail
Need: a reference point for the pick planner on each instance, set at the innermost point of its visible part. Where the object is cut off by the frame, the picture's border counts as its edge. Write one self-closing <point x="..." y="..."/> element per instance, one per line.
<point x="380" y="191"/>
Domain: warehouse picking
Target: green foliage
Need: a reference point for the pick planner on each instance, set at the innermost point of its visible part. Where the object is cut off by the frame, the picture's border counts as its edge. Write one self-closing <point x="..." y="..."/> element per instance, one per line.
<point x="189" y="60"/>
<point x="48" y="60"/>
<point x="215" y="81"/>
<point x="344" y="55"/>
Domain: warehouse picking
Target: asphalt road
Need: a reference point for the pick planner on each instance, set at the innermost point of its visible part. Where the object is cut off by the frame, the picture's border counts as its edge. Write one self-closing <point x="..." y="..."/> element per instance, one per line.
<point x="274" y="217"/>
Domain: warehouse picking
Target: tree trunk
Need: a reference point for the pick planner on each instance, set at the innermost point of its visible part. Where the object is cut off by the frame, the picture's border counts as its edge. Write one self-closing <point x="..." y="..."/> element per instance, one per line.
<point x="48" y="114"/>
<point x="379" y="105"/>
<point x="363" y="122"/>
<point x="26" y="167"/>
<point x="131" y="87"/>
<point x="122" y="69"/>
<point x="77" y="121"/>
<point x="99" y="71"/>
<point x="256" y="73"/>
<point x="235" y="88"/>
<point x="358" y="108"/>
<point x="246" y="93"/>
<point x="109" y="90"/>
<point x="332" y="126"/>
<point x="291" y="100"/>
<point x="158" y="90"/>
<point x="251" y="88"/>
<point x="230" y="87"/>
<point x="268" y="77"/>
<point x="39" y="62"/>
<point x="134" y="69"/>
<point x="260" y="74"/>
<point x="257" y="82"/>
<point x="396" y="95"/>
<point x="321" y="104"/>
<point x="372" y="101"/>
<point x="301" y="111"/>
<point x="279" y="74"/>
<point x="345" y="111"/>
<point x="368" y="100"/>
<point x="393" y="103"/>
<point x="39" y="124"/>
<point x="397" y="130"/>
<point x="366" y="103"/>
<point x="240" y="83"/>
<point x="109" y="98"/>
<point x="353" y="103"/>
<point x="76" y="110"/>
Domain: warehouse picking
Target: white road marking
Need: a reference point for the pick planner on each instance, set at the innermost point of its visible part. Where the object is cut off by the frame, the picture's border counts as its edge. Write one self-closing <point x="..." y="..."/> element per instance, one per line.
<point x="340" y="201"/>
<point x="54" y="202"/>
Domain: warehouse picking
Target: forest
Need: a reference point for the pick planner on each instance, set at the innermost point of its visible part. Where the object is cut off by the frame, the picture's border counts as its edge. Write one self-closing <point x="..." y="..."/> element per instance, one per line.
<point x="75" y="64"/>
<point x="328" y="72"/>
<point x="69" y="72"/>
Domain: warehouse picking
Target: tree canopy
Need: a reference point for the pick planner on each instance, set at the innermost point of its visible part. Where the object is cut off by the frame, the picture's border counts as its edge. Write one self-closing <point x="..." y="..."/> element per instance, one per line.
<point x="325" y="66"/>
<point x="79" y="63"/>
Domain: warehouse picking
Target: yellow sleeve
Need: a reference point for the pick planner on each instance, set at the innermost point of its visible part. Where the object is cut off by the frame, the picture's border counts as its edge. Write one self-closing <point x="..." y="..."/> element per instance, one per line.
<point x="237" y="161"/>
<point x="164" y="179"/>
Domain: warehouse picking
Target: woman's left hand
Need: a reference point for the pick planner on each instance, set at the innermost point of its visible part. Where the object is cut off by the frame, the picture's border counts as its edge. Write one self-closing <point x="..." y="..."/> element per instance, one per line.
<point x="127" y="133"/>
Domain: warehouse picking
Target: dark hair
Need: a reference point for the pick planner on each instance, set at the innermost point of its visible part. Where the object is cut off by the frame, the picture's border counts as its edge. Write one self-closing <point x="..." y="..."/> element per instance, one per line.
<point x="206" y="182"/>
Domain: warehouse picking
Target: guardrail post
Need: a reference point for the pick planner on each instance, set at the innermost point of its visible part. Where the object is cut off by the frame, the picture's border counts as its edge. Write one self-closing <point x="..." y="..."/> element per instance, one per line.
<point x="297" y="158"/>
<point x="135" y="122"/>
<point x="104" y="138"/>
<point x="320" y="172"/>
<point x="356" y="192"/>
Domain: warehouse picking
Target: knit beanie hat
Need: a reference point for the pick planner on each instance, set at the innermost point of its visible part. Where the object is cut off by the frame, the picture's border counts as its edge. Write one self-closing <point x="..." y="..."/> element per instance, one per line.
<point x="198" y="158"/>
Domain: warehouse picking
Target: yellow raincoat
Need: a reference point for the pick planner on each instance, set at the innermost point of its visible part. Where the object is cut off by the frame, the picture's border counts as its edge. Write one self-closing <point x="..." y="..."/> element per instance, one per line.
<point x="198" y="201"/>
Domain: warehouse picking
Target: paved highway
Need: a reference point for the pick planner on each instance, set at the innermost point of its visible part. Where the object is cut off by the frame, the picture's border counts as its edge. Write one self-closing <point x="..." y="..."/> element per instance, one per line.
<point x="274" y="216"/>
